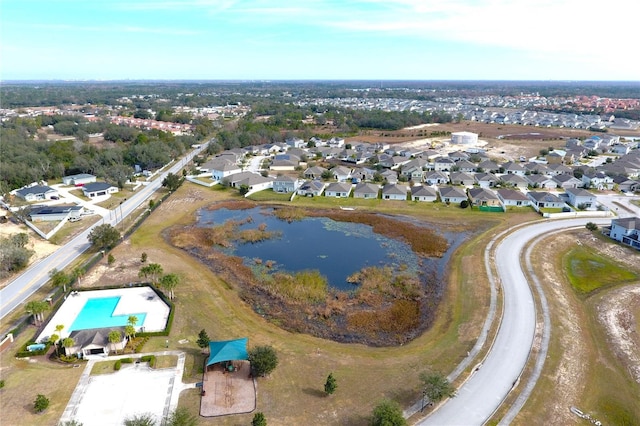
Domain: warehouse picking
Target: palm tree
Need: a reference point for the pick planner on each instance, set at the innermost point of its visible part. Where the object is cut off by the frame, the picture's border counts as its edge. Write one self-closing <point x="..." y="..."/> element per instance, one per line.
<point x="132" y="321"/>
<point x="37" y="308"/>
<point x="115" y="337"/>
<point x="151" y="272"/>
<point x="53" y="339"/>
<point x="129" y="331"/>
<point x="169" y="282"/>
<point x="59" y="278"/>
<point x="68" y="343"/>
<point x="77" y="274"/>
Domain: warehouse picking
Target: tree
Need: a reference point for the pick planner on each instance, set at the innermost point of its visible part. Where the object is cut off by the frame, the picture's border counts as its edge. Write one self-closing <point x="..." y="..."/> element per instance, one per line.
<point x="132" y="321"/>
<point x="37" y="308"/>
<point x="68" y="342"/>
<point x="330" y="385"/>
<point x="464" y="204"/>
<point x="180" y="417"/>
<point x="53" y="339"/>
<point x="115" y="337"/>
<point x="169" y="282"/>
<point x="104" y="237"/>
<point x="110" y="259"/>
<point x="151" y="272"/>
<point x="388" y="413"/>
<point x="172" y="182"/>
<point x="263" y="360"/>
<point x="129" y="331"/>
<point x="59" y="279"/>
<point x="244" y="189"/>
<point x="41" y="403"/>
<point x="143" y="257"/>
<point x="77" y="274"/>
<point x="591" y="226"/>
<point x="203" y="339"/>
<point x="259" y="420"/>
<point x="436" y="387"/>
<point x="145" y="419"/>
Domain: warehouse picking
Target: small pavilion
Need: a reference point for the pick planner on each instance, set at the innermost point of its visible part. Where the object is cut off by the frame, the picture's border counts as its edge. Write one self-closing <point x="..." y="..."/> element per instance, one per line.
<point x="226" y="351"/>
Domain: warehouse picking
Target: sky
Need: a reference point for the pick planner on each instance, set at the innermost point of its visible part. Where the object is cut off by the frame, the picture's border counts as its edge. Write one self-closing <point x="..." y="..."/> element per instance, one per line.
<point x="563" y="40"/>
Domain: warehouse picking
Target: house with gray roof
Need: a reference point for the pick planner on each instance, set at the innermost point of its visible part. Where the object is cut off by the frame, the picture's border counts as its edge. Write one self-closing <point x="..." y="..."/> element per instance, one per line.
<point x="220" y="168"/>
<point x="314" y="172"/>
<point x="516" y="181"/>
<point x="486" y="180"/>
<point x="37" y="193"/>
<point x="312" y="188"/>
<point x="285" y="184"/>
<point x="597" y="180"/>
<point x="341" y="173"/>
<point x="566" y="181"/>
<point x="55" y="213"/>
<point x="581" y="198"/>
<point x="393" y="191"/>
<point x="366" y="190"/>
<point x="545" y="200"/>
<point x="338" y="190"/>
<point x="79" y="179"/>
<point x="460" y="178"/>
<point x="513" y="198"/>
<point x="99" y="189"/>
<point x="94" y="342"/>
<point x="452" y="194"/>
<point x="423" y="193"/>
<point x="541" y="181"/>
<point x="483" y="197"/>
<point x="436" y="178"/>
<point x="390" y="176"/>
<point x="626" y="231"/>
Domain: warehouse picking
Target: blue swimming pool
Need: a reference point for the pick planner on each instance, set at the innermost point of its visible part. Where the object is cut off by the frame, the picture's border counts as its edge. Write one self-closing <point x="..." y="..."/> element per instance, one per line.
<point x="98" y="313"/>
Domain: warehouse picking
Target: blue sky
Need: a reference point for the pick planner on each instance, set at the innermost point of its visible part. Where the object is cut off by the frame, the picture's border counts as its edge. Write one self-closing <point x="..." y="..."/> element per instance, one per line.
<point x="319" y="39"/>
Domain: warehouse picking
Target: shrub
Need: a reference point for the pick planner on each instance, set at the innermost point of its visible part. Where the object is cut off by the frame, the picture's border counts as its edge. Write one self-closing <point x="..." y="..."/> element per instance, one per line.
<point x="330" y="385"/>
<point x="41" y="403"/>
<point x="117" y="365"/>
<point x="591" y="226"/>
<point x="464" y="204"/>
<point x="151" y="359"/>
<point x="259" y="420"/>
<point x="1" y="384"/>
<point x="263" y="360"/>
<point x="126" y="360"/>
<point x="388" y="413"/>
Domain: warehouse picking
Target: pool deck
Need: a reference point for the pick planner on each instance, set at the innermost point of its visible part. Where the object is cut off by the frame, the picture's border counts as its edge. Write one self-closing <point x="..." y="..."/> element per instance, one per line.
<point x="133" y="300"/>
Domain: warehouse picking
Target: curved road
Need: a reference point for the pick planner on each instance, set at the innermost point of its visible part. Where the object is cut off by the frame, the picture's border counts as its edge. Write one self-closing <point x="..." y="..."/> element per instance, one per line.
<point x="37" y="275"/>
<point x="483" y="392"/>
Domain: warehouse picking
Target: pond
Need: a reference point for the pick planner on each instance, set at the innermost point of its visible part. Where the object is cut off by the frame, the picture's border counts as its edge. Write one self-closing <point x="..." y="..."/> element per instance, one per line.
<point x="336" y="249"/>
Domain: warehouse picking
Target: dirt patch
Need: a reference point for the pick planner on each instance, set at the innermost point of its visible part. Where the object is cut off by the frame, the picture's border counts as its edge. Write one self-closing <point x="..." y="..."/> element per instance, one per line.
<point x="619" y="313"/>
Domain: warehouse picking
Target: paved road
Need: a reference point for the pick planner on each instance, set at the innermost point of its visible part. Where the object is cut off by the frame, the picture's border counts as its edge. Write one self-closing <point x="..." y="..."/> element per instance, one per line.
<point x="484" y="391"/>
<point x="18" y="290"/>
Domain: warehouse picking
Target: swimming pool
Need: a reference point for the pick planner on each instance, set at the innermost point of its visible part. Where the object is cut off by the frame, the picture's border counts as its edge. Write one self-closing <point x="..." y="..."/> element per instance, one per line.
<point x="98" y="313"/>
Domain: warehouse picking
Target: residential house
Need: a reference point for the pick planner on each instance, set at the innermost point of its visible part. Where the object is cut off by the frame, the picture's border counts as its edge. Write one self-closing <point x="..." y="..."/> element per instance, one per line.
<point x="393" y="191"/>
<point x="597" y="180"/>
<point x="483" y="197"/>
<point x="37" y="193"/>
<point x="555" y="157"/>
<point x="566" y="181"/>
<point x="458" y="156"/>
<point x="558" y="169"/>
<point x="94" y="341"/>
<point x="443" y="164"/>
<point x="341" y="173"/>
<point x="99" y="189"/>
<point x="220" y="168"/>
<point x="541" y="181"/>
<point x="581" y="198"/>
<point x="515" y="181"/>
<point x="625" y="184"/>
<point x="312" y="188"/>
<point x="486" y="180"/>
<point x="436" y="178"/>
<point x="366" y="190"/>
<point x="390" y="176"/>
<point x="460" y="178"/>
<point x="423" y="193"/>
<point x="513" y="198"/>
<point x="488" y="166"/>
<point x="283" y="162"/>
<point x="513" y="168"/>
<point x="314" y="172"/>
<point x="465" y="166"/>
<point x="254" y="181"/>
<point x="620" y="149"/>
<point x="626" y="230"/>
<point x="363" y="174"/>
<point x="535" y="168"/>
<point x="545" y="200"/>
<point x="452" y="194"/>
<point x="79" y="179"/>
<point x="285" y="184"/>
<point x="54" y="213"/>
<point x="338" y="190"/>
<point x="295" y="143"/>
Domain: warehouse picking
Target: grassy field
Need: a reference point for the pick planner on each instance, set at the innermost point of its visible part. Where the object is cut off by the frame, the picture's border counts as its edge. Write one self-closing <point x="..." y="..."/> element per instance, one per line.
<point x="588" y="271"/>
<point x="581" y="368"/>
<point x="293" y="393"/>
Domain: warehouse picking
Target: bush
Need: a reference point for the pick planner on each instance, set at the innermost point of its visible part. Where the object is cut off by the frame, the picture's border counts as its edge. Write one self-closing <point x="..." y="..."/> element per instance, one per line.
<point x="151" y="359"/>
<point x="259" y="420"/>
<point x="126" y="360"/>
<point x="591" y="226"/>
<point x="388" y="413"/>
<point x="117" y="365"/>
<point x="1" y="384"/>
<point x="330" y="385"/>
<point x="41" y="403"/>
<point x="464" y="204"/>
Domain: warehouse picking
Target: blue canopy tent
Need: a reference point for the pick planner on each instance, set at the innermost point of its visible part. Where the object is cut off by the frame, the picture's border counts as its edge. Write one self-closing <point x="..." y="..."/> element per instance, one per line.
<point x="228" y="350"/>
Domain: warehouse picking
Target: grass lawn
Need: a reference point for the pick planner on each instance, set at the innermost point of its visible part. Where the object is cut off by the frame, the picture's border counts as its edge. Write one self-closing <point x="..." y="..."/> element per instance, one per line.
<point x="588" y="271"/>
<point x="269" y="195"/>
<point x="166" y="361"/>
<point x="103" y="367"/>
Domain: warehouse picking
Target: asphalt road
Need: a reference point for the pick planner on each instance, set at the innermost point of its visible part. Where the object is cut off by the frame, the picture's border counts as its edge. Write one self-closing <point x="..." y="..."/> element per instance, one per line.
<point x="37" y="275"/>
<point x="486" y="388"/>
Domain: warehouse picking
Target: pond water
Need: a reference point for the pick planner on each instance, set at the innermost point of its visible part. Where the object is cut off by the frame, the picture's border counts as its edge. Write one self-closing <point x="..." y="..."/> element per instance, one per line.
<point x="336" y="249"/>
